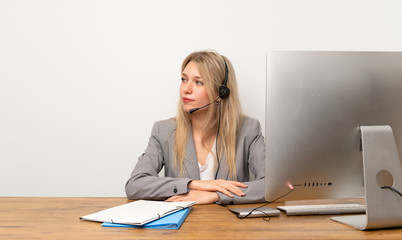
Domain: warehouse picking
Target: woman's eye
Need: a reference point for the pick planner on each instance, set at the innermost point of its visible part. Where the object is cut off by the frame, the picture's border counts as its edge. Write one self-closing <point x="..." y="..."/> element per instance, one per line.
<point x="183" y="80"/>
<point x="199" y="83"/>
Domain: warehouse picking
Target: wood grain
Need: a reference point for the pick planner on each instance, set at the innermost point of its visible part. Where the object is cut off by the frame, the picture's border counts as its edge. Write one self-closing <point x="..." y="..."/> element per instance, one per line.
<point x="58" y="218"/>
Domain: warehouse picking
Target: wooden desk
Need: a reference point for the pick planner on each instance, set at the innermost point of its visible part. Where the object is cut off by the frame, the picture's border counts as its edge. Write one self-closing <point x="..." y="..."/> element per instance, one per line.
<point x="58" y="218"/>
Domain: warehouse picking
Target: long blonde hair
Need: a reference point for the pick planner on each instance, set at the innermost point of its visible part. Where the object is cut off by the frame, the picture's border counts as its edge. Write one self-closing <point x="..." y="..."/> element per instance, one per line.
<point x="211" y="66"/>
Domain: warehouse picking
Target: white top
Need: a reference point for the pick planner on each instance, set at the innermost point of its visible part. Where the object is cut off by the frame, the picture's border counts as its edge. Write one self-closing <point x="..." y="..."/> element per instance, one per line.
<point x="206" y="171"/>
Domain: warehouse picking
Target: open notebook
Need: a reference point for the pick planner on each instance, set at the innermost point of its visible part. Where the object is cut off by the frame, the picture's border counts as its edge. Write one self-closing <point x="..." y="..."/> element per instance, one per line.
<point x="137" y="213"/>
<point x="171" y="221"/>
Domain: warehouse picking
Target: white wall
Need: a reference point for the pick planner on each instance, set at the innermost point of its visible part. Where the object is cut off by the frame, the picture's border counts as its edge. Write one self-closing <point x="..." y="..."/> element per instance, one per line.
<point x="81" y="82"/>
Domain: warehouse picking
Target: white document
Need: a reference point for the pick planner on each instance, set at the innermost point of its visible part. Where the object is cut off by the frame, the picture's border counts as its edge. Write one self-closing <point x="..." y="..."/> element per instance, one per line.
<point x="137" y="213"/>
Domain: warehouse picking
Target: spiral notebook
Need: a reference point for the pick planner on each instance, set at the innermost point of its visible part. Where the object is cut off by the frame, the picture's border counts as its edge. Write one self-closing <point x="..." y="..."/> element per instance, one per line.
<point x="137" y="213"/>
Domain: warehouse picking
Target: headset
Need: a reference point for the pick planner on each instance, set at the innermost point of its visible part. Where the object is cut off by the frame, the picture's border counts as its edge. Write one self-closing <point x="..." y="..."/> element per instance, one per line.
<point x="223" y="92"/>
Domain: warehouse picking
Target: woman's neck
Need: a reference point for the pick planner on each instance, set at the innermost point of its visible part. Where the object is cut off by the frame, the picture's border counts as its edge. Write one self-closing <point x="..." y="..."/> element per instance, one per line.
<point x="203" y="144"/>
<point x="197" y="123"/>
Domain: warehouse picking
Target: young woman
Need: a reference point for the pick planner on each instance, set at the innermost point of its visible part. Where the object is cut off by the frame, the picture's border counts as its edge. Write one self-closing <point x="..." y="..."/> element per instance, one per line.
<point x="209" y="149"/>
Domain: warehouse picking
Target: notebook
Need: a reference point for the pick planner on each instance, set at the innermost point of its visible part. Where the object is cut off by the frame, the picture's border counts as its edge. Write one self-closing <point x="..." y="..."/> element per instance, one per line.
<point x="171" y="221"/>
<point x="137" y="213"/>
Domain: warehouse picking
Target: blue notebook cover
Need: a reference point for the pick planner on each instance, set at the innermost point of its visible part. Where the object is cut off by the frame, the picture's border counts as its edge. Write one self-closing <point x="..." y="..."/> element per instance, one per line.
<point x="172" y="221"/>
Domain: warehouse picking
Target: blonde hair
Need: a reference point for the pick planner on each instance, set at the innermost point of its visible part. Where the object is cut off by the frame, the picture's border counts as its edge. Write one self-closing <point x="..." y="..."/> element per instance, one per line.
<point x="211" y="66"/>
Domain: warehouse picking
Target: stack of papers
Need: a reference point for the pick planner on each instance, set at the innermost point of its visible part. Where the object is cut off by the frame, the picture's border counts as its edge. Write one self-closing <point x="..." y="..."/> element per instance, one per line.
<point x="142" y="212"/>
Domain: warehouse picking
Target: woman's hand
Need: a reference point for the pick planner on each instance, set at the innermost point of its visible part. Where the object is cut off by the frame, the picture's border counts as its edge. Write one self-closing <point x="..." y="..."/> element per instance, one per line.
<point x="224" y="186"/>
<point x="201" y="197"/>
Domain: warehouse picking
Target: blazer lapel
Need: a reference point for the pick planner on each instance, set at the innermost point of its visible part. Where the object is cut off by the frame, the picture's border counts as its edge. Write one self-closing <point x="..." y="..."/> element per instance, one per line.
<point x="191" y="161"/>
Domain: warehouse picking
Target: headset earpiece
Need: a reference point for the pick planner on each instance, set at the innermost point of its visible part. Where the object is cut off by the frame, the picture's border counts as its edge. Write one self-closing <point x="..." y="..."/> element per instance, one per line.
<point x="224" y="91"/>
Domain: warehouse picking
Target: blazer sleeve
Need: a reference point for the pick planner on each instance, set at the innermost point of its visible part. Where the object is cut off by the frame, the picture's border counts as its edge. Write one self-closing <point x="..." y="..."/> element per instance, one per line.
<point x="144" y="182"/>
<point x="255" y="157"/>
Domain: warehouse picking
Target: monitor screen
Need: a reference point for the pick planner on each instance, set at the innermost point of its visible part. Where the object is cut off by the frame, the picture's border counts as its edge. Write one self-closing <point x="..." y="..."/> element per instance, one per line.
<point x="316" y="102"/>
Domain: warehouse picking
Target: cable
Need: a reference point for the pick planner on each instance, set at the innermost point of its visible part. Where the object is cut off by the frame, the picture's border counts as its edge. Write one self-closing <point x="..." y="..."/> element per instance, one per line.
<point x="216" y="144"/>
<point x="267" y="217"/>
<point x="392" y="189"/>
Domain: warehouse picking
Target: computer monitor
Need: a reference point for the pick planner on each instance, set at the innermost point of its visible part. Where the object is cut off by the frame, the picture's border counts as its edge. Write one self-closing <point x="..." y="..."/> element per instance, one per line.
<point x="316" y="105"/>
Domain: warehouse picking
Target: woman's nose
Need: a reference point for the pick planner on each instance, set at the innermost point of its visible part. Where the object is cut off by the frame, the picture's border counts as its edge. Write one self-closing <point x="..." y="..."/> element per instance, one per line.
<point x="188" y="88"/>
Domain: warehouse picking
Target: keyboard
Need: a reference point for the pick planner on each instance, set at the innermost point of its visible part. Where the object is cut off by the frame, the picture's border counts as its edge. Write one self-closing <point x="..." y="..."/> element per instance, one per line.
<point x="343" y="208"/>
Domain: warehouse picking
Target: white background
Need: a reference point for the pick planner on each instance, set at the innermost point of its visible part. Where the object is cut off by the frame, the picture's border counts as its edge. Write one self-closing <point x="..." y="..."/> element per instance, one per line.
<point x="82" y="82"/>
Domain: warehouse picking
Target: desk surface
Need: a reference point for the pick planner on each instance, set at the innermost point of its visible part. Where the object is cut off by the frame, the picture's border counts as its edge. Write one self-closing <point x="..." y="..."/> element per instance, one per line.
<point x="58" y="218"/>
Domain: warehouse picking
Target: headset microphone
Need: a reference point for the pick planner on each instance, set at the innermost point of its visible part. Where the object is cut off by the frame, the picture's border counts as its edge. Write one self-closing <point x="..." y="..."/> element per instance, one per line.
<point x="196" y="109"/>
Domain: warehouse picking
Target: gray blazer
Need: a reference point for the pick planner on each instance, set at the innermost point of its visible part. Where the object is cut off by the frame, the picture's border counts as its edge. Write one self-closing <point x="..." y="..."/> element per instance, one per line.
<point x="145" y="183"/>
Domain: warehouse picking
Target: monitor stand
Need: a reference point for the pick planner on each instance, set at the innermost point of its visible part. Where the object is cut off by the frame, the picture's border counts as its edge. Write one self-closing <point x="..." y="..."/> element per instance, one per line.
<point x="382" y="167"/>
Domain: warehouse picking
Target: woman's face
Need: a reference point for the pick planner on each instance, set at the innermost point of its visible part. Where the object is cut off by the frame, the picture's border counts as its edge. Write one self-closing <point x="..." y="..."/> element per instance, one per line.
<point x="193" y="92"/>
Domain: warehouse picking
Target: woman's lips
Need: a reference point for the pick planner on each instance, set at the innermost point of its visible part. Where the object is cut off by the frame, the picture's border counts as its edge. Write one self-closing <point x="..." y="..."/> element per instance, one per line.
<point x="186" y="100"/>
